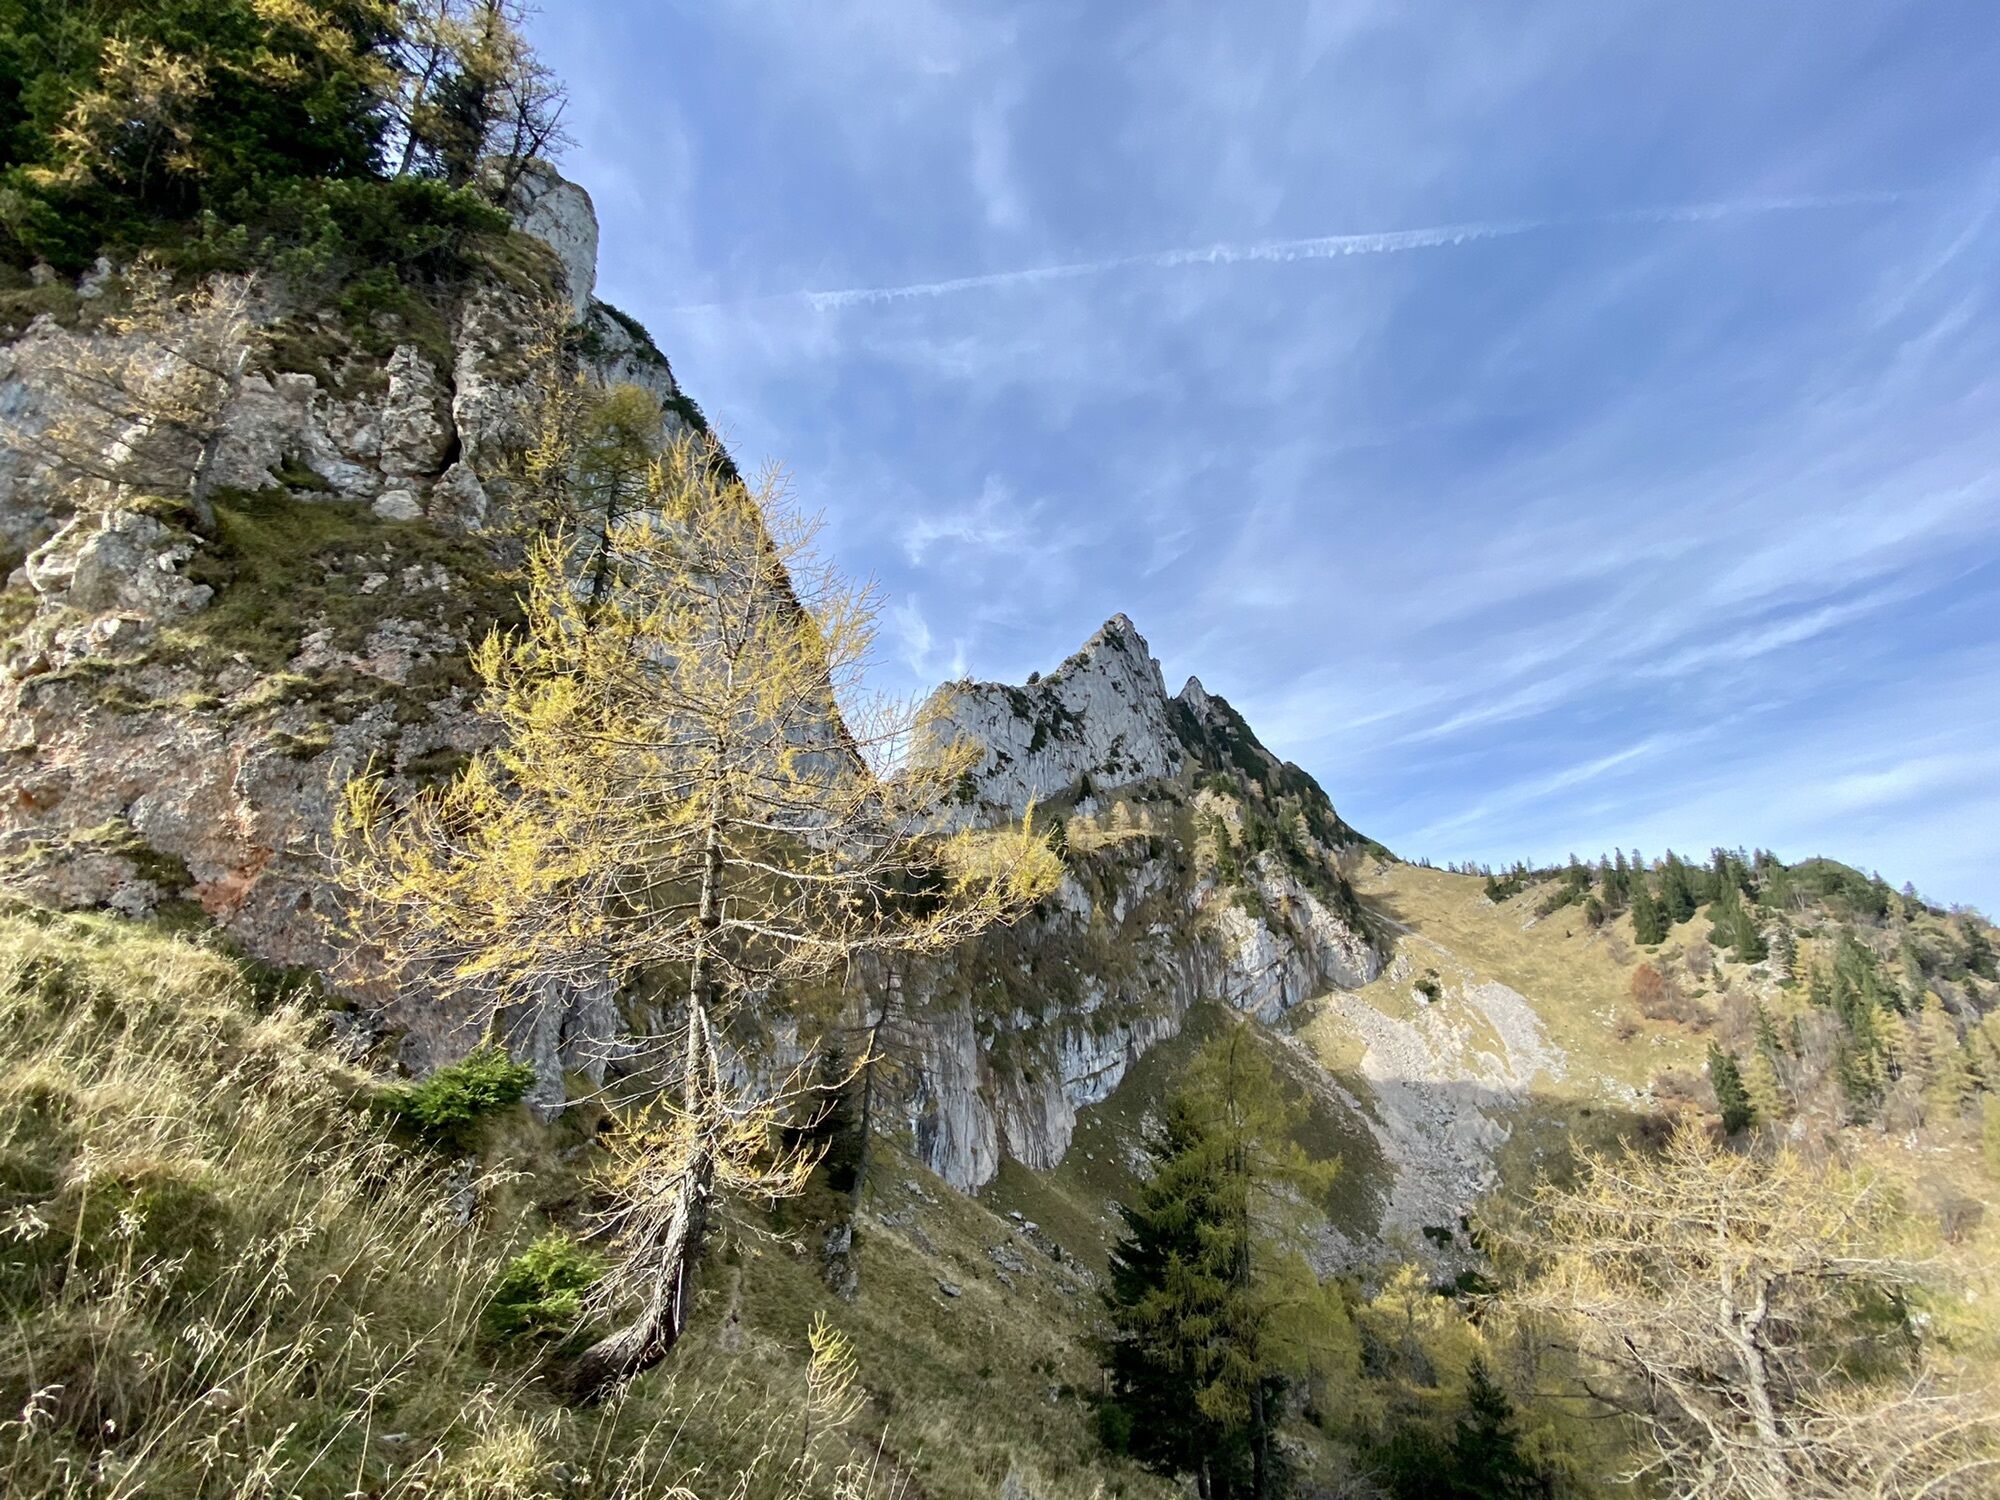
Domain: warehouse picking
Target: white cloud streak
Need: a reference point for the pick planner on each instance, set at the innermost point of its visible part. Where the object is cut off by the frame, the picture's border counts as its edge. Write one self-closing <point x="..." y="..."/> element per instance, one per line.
<point x="1319" y="247"/>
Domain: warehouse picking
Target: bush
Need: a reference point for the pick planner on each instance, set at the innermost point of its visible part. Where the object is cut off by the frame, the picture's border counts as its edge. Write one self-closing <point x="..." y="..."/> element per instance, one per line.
<point x="449" y="1104"/>
<point x="1660" y="999"/>
<point x="539" y="1296"/>
<point x="1114" y="1427"/>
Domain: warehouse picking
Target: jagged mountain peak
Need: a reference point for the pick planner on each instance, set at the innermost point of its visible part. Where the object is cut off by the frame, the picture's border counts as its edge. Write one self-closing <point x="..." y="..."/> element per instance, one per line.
<point x="1101" y="719"/>
<point x="1104" y="719"/>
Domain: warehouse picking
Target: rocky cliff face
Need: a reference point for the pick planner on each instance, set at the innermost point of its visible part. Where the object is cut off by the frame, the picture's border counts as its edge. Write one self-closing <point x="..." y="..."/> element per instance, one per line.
<point x="1201" y="868"/>
<point x="1100" y="720"/>
<point x="178" y="705"/>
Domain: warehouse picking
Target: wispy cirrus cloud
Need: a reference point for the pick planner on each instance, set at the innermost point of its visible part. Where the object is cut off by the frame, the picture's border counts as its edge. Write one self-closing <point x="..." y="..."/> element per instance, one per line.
<point x="1651" y="432"/>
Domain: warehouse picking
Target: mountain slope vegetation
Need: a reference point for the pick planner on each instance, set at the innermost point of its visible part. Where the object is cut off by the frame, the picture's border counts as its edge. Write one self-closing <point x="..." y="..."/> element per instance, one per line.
<point x="278" y="1220"/>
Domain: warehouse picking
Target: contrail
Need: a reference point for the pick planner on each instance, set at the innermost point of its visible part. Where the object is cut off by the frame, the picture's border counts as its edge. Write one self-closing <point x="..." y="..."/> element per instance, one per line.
<point x="1321" y="247"/>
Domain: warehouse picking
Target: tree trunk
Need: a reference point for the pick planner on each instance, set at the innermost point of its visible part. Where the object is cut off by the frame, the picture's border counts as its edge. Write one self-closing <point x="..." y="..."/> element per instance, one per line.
<point x="1744" y="1330"/>
<point x="864" y="1130"/>
<point x="201" y="485"/>
<point x="650" y="1337"/>
<point x="1260" y="1444"/>
<point x="601" y="572"/>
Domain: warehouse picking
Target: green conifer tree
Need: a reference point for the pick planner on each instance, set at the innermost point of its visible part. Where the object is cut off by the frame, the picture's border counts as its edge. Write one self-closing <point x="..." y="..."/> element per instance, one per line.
<point x="1677" y="890"/>
<point x="1212" y="1313"/>
<point x="1486" y="1458"/>
<point x="1617" y="882"/>
<point x="1732" y="1100"/>
<point x="1649" y="921"/>
<point x="1860" y="1075"/>
<point x="1743" y="934"/>
<point x="1978" y="949"/>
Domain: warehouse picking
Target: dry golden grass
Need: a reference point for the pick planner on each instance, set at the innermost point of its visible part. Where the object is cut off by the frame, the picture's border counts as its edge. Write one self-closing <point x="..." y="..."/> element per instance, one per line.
<point x="1577" y="980"/>
<point x="221" y="1275"/>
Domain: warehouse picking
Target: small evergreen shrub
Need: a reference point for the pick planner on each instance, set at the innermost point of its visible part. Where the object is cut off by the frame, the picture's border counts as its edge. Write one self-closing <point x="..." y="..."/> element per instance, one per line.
<point x="449" y="1104"/>
<point x="539" y="1296"/>
<point x="1114" y="1427"/>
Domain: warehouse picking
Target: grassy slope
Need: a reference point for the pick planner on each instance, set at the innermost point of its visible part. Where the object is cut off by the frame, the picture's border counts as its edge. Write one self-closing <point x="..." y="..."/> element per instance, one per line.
<point x="1578" y="982"/>
<point x="221" y="1274"/>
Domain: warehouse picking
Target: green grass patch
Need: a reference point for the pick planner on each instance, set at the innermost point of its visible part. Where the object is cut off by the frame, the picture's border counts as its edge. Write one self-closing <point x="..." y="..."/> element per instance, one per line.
<point x="20" y="306"/>
<point x="282" y="565"/>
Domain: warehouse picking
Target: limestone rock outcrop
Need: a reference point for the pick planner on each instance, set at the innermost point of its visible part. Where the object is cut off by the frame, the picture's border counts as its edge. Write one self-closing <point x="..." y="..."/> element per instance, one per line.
<point x="162" y="746"/>
<point x="1024" y="1029"/>
<point x="1101" y="719"/>
<point x="559" y="213"/>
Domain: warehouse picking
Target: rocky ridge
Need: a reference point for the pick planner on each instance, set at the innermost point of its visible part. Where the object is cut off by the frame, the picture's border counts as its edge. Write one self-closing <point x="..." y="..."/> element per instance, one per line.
<point x="180" y="706"/>
<point x="1031" y="1026"/>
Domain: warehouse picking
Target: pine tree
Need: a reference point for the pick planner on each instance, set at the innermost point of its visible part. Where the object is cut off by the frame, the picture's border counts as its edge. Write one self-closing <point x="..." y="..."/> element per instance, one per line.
<point x="1732" y="1100"/>
<point x="1617" y="882"/>
<point x="1649" y="922"/>
<point x="1977" y="949"/>
<point x="1677" y="890"/>
<point x="1856" y="1066"/>
<point x="828" y="1126"/>
<point x="1210" y="1314"/>
<point x="1743" y="934"/>
<point x="1722" y="927"/>
<point x="1167" y="1287"/>
<point x="1729" y="873"/>
<point x="1486" y="1458"/>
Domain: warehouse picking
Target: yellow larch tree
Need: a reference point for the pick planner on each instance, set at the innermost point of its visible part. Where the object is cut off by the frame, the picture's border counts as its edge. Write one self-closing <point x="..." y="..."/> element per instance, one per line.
<point x="1764" y="1323"/>
<point x="691" y="784"/>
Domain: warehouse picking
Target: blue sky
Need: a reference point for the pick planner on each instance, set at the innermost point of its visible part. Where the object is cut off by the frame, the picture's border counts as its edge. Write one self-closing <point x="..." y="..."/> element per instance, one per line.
<point x="1556" y="426"/>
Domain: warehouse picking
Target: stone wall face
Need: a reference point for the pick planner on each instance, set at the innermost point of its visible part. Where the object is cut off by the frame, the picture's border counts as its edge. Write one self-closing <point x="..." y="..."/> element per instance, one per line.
<point x="136" y="775"/>
<point x="1138" y="934"/>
